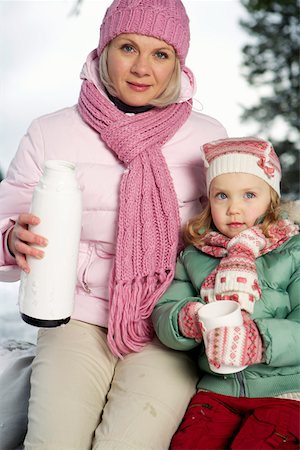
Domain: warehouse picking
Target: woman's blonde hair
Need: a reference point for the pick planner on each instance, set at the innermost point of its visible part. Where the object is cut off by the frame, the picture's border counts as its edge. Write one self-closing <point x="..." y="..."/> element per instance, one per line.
<point x="168" y="97"/>
<point x="196" y="229"/>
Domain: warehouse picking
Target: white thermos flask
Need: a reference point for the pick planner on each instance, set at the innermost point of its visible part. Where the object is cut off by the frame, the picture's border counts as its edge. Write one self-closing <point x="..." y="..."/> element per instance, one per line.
<point x="46" y="295"/>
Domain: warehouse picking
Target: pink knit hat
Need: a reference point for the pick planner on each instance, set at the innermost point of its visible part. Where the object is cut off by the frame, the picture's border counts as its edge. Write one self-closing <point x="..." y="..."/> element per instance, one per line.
<point x="163" y="19"/>
<point x="247" y="155"/>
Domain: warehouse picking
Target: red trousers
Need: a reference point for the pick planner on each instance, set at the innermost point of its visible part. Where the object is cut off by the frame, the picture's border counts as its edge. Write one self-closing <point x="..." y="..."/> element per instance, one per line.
<point x="219" y="422"/>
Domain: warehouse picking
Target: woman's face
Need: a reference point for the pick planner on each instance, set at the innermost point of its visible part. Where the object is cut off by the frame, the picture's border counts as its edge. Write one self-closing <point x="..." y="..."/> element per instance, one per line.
<point x="140" y="67"/>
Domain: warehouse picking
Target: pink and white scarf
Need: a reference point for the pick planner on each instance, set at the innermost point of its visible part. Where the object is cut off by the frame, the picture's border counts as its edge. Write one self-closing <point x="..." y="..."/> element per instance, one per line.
<point x="149" y="222"/>
<point x="235" y="278"/>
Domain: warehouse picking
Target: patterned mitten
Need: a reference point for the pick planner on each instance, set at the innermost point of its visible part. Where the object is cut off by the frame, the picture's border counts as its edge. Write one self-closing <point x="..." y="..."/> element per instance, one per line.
<point x="235" y="346"/>
<point x="188" y="321"/>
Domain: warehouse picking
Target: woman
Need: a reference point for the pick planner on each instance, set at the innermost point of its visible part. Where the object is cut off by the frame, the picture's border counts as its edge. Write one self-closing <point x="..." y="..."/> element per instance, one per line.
<point x="101" y="382"/>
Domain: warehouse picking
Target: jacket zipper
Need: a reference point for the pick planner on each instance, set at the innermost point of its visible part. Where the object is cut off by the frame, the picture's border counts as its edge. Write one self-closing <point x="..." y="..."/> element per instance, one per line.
<point x="84" y="283"/>
<point x="240" y="379"/>
<point x="86" y="287"/>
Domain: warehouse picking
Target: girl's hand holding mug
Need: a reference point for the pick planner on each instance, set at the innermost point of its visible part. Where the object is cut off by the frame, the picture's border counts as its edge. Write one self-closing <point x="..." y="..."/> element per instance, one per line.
<point x="20" y="240"/>
<point x="235" y="346"/>
<point x="188" y="321"/>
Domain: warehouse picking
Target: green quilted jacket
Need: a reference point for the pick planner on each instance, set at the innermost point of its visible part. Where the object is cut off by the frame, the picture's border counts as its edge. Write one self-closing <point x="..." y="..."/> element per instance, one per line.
<point x="276" y="314"/>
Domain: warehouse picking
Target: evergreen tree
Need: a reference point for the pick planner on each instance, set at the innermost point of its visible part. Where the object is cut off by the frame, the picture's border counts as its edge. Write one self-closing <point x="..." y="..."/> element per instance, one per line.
<point x="271" y="63"/>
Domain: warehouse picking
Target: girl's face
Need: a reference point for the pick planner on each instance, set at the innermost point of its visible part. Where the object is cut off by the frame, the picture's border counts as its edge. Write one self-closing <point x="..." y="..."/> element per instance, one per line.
<point x="237" y="200"/>
<point x="140" y="67"/>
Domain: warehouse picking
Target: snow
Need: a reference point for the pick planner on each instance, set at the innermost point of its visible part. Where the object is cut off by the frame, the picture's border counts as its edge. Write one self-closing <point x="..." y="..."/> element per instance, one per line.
<point x="11" y="323"/>
<point x="11" y="349"/>
<point x="16" y="337"/>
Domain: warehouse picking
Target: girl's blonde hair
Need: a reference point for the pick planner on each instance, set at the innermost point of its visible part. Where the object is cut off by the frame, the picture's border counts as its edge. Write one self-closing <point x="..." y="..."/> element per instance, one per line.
<point x="168" y="97"/>
<point x="196" y="229"/>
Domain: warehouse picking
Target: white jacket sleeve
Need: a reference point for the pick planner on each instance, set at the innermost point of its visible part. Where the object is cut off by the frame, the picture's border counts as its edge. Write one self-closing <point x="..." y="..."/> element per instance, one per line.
<point x="16" y="193"/>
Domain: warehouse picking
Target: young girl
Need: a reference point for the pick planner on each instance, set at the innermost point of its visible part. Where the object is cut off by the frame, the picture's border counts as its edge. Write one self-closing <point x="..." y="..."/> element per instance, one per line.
<point x="243" y="249"/>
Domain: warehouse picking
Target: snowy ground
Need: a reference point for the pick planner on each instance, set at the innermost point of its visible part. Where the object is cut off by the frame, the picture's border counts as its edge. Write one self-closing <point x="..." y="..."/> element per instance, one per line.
<point x="11" y="324"/>
<point x="15" y="335"/>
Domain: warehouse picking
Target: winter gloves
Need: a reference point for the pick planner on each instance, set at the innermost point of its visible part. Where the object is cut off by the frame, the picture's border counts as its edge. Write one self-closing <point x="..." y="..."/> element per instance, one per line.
<point x="235" y="346"/>
<point x="231" y="346"/>
<point x="188" y="321"/>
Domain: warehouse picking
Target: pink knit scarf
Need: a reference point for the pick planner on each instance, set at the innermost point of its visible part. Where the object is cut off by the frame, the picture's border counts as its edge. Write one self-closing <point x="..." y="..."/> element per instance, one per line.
<point x="149" y="220"/>
<point x="235" y="278"/>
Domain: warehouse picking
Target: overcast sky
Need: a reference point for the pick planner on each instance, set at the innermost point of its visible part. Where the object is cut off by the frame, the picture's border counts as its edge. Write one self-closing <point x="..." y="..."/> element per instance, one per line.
<point x="43" y="48"/>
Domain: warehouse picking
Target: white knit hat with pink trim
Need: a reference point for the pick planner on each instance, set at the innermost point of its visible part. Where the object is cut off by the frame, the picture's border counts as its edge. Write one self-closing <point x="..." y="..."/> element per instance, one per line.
<point x="247" y="155"/>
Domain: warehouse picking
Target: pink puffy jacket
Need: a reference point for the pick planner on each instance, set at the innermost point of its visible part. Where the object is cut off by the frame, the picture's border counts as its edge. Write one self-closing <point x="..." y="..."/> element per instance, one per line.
<point x="63" y="135"/>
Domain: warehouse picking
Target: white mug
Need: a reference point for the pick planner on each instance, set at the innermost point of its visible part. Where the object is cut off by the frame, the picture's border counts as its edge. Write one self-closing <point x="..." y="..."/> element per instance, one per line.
<point x="223" y="313"/>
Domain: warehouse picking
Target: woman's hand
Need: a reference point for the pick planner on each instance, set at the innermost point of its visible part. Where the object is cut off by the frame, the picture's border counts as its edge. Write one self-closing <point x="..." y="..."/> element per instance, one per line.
<point x="20" y="240"/>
